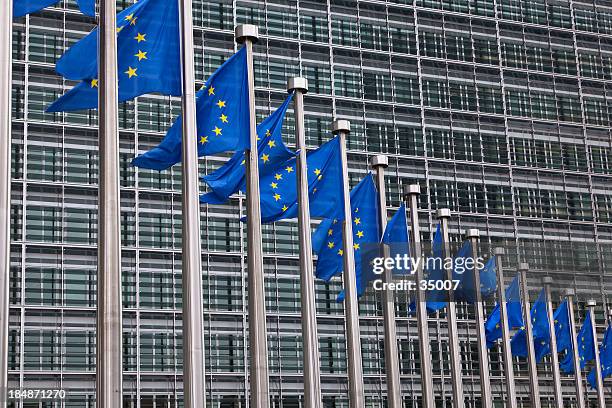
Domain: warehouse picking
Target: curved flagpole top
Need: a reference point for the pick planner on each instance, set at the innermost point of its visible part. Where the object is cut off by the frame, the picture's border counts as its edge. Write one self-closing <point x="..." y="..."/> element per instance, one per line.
<point x="591" y="303"/>
<point x="341" y="125"/>
<point x="412" y="189"/>
<point x="246" y="31"/>
<point x="297" y="84"/>
<point x="380" y="160"/>
<point x="443" y="213"/>
<point x="523" y="266"/>
<point x="569" y="292"/>
<point x="472" y="233"/>
<point x="499" y="251"/>
<point x="547" y="280"/>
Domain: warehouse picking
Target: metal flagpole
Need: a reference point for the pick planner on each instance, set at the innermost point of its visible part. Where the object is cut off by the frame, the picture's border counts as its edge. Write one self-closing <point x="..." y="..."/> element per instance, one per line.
<point x="503" y="312"/>
<point x="5" y="189"/>
<point x="310" y="338"/>
<point x="351" y="307"/>
<point x="547" y="281"/>
<point x="443" y="215"/>
<point x="193" y="313"/>
<point x="534" y="386"/>
<point x="599" y="380"/>
<point x="394" y="392"/>
<point x="570" y="293"/>
<point x="483" y="353"/>
<point x="411" y="194"/>
<point x="109" y="345"/>
<point x="258" y="344"/>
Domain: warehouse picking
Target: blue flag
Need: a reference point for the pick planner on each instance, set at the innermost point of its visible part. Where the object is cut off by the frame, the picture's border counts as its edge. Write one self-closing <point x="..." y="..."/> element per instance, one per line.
<point x="397" y="238"/>
<point x="327" y="240"/>
<point x="279" y="187"/>
<point x="563" y="330"/>
<point x="605" y="359"/>
<point x="586" y="342"/>
<point x="541" y="332"/>
<point x="23" y="7"/>
<point x="222" y="114"/>
<point x="231" y="177"/>
<point x="488" y="278"/>
<point x="466" y="291"/>
<point x="515" y="314"/>
<point x="148" y="57"/>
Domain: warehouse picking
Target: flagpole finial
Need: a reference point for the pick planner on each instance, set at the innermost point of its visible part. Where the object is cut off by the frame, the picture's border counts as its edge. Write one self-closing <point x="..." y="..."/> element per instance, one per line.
<point x="472" y="233"/>
<point x="246" y="31"/>
<point x="341" y="125"/>
<point x="591" y="303"/>
<point x="380" y="160"/>
<point x="547" y="280"/>
<point x="499" y="251"/>
<point x="570" y="292"/>
<point x="443" y="213"/>
<point x="523" y="266"/>
<point x="297" y="84"/>
<point x="412" y="189"/>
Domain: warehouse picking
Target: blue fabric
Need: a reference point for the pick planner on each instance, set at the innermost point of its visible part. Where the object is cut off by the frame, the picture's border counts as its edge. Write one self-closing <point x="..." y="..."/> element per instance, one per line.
<point x="222" y="115"/>
<point x="148" y="57"/>
<point x="23" y="7"/>
<point x="541" y="332"/>
<point x="466" y="291"/>
<point x="586" y="347"/>
<point x="231" y="177"/>
<point x="488" y="278"/>
<point x="397" y="238"/>
<point x="327" y="240"/>
<point x="563" y="330"/>
<point x="515" y="314"/>
<point x="278" y="188"/>
<point x="605" y="359"/>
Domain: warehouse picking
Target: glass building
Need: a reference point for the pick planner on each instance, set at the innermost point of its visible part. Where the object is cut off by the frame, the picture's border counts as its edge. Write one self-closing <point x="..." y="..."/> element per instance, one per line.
<point x="500" y="109"/>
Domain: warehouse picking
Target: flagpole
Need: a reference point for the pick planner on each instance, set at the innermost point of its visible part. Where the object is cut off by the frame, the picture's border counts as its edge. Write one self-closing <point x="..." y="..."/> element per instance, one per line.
<point x="503" y="312"/>
<point x="258" y="343"/>
<point x="483" y="353"/>
<point x="547" y="281"/>
<point x="5" y="189"/>
<point x="193" y="313"/>
<point x="109" y="345"/>
<point x="534" y="386"/>
<point x="411" y="194"/>
<point x="394" y="391"/>
<point x="443" y="215"/>
<point x="569" y="293"/>
<point x="310" y="338"/>
<point x="351" y="306"/>
<point x="599" y="380"/>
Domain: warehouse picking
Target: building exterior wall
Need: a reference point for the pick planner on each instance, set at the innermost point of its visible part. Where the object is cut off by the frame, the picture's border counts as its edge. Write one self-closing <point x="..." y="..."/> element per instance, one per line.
<point x="500" y="109"/>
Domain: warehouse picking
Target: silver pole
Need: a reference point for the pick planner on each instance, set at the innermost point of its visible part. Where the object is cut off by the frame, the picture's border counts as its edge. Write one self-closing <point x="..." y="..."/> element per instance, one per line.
<point x="5" y="189"/>
<point x="483" y="353"/>
<point x="569" y="293"/>
<point x="310" y="338"/>
<point x="351" y="306"/>
<point x="503" y="312"/>
<point x="599" y="380"/>
<point x="534" y="386"/>
<point x="109" y="319"/>
<point x="394" y="386"/>
<point x="443" y="215"/>
<point x="258" y="347"/>
<point x="547" y="281"/>
<point x="193" y="313"/>
<point x="411" y="194"/>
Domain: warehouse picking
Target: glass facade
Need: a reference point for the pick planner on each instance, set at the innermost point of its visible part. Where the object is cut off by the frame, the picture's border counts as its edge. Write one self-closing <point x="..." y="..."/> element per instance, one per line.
<point x="500" y="109"/>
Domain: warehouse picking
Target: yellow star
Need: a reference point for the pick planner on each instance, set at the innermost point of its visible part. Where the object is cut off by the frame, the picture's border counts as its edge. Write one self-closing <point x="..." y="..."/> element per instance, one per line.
<point x="357" y="209"/>
<point x="340" y="252"/>
<point x="221" y="104"/>
<point x="330" y="232"/>
<point x="140" y="38"/>
<point x="330" y="245"/>
<point x="335" y="221"/>
<point x="268" y="132"/>
<point x="357" y="221"/>
<point x="119" y="29"/>
<point x="265" y="158"/>
<point x="243" y="161"/>
<point x="94" y="83"/>
<point x="274" y="185"/>
<point x="285" y="208"/>
<point x="289" y="169"/>
<point x="133" y="22"/>
<point x="223" y="118"/>
<point x="217" y="131"/>
<point x="129" y="17"/>
<point x="277" y="197"/>
<point x="317" y="172"/>
<point x="211" y="91"/>
<point x="355" y="247"/>
<point x="131" y="72"/>
<point x="272" y="143"/>
<point x="204" y="139"/>
<point x="278" y="176"/>
<point x="360" y="234"/>
<point x="141" y="55"/>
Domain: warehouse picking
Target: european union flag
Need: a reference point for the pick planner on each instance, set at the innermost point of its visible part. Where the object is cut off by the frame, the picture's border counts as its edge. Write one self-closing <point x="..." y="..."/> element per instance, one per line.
<point x="278" y="188"/>
<point x="397" y="238"/>
<point x="563" y="330"/>
<point x="586" y="342"/>
<point x="23" y="7"/>
<point x="541" y="332"/>
<point x="148" y="57"/>
<point x="493" y="330"/>
<point x="222" y="113"/>
<point x="488" y="278"/>
<point x="327" y="240"/>
<point x="466" y="291"/>
<point x="231" y="177"/>
<point x="605" y="359"/>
